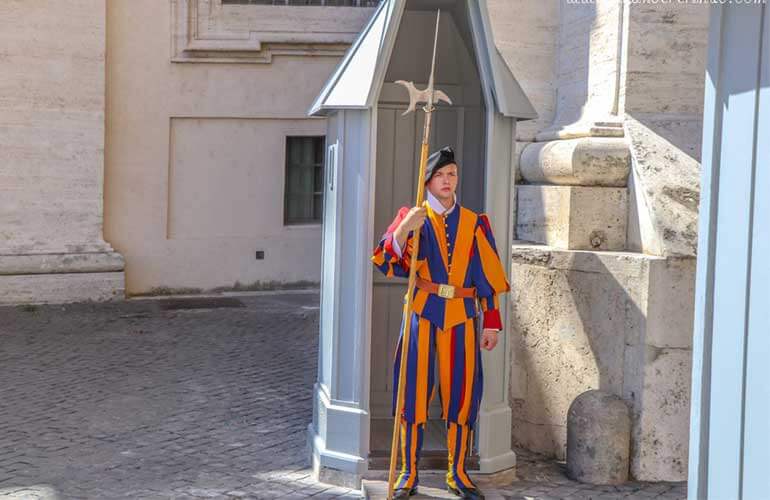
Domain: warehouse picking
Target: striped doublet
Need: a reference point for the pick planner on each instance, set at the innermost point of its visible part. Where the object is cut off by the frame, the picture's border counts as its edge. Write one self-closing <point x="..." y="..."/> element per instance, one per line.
<point x="458" y="249"/>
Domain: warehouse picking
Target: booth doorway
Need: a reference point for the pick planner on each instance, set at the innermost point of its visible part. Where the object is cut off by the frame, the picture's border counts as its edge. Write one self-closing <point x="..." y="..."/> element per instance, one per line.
<point x="461" y="126"/>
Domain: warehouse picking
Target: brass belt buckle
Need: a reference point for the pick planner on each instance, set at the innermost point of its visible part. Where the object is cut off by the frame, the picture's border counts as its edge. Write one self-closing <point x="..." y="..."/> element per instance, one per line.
<point x="446" y="291"/>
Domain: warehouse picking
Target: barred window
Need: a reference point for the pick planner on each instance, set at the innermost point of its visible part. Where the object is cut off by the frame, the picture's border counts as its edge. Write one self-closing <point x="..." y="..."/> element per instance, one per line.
<point x="326" y="3"/>
<point x="303" y="197"/>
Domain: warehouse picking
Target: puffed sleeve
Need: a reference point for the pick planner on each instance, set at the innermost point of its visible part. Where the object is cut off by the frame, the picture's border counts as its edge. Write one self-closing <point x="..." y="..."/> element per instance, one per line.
<point x="387" y="257"/>
<point x="488" y="274"/>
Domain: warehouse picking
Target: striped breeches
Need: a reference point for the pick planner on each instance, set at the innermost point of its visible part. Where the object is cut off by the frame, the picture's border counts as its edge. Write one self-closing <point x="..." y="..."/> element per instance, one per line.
<point x="460" y="376"/>
<point x="460" y="380"/>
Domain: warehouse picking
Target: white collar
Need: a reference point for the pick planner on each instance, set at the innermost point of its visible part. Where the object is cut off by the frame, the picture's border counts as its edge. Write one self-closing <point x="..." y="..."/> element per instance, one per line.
<point x="436" y="205"/>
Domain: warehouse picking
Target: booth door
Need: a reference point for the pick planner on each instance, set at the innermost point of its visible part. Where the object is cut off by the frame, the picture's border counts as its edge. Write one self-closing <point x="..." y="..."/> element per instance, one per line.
<point x="398" y="150"/>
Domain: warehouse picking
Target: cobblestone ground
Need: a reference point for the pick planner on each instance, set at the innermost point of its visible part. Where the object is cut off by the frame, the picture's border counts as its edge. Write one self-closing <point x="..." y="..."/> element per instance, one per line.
<point x="540" y="479"/>
<point x="135" y="400"/>
<point x="537" y="478"/>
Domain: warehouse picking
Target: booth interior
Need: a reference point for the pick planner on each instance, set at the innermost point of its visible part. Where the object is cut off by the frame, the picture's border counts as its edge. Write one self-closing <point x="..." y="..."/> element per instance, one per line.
<point x="462" y="126"/>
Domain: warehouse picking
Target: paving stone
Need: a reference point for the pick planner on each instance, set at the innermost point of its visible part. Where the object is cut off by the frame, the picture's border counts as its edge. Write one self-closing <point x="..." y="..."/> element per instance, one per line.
<point x="129" y="400"/>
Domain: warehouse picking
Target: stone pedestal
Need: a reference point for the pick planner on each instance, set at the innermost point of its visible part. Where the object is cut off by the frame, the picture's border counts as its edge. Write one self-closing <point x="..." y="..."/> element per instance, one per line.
<point x="615" y="321"/>
<point x="52" y="154"/>
<point x="60" y="277"/>
<point x="573" y="217"/>
<point x="575" y="196"/>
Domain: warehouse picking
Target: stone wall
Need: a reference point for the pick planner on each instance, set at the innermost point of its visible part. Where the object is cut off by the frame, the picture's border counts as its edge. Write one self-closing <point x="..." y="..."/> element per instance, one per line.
<point x="662" y="100"/>
<point x="52" y="154"/>
<point x="618" y="316"/>
<point x="196" y="137"/>
<point x="154" y="119"/>
<point x="615" y="321"/>
<point x="227" y="93"/>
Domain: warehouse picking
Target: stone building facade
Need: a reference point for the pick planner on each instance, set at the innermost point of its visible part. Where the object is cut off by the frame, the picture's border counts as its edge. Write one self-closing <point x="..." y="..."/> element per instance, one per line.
<point x="206" y="106"/>
<point x="145" y="148"/>
<point x="607" y="201"/>
<point x="52" y="154"/>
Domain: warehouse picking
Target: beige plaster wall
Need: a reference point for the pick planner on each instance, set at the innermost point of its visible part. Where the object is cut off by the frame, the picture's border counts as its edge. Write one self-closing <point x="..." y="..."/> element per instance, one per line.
<point x="194" y="173"/>
<point x="195" y="165"/>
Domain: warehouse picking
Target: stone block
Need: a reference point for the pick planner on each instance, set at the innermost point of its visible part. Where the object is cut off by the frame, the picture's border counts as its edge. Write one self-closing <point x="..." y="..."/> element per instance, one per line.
<point x="661" y="419"/>
<point x="61" y="263"/>
<point x="670" y="303"/>
<point x="43" y="278"/>
<point x="61" y="288"/>
<point x="664" y="186"/>
<point x="549" y="440"/>
<point x="582" y="320"/>
<point x="572" y="217"/>
<point x="587" y="161"/>
<point x="569" y="317"/>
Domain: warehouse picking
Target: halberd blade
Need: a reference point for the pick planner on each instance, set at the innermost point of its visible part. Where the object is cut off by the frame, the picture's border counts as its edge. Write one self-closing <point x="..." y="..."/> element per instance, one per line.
<point x="417" y="96"/>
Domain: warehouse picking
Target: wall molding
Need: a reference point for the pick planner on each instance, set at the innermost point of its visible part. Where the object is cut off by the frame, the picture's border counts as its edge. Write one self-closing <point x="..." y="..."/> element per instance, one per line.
<point x="207" y="31"/>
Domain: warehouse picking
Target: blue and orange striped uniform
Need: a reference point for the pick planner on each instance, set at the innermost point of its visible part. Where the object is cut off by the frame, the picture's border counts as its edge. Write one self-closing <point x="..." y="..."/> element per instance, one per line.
<point x="457" y="248"/>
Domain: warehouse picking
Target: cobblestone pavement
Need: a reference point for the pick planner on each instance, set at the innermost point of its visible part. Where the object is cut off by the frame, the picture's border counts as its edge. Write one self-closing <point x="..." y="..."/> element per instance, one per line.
<point x="537" y="478"/>
<point x="137" y="399"/>
<point x="540" y="479"/>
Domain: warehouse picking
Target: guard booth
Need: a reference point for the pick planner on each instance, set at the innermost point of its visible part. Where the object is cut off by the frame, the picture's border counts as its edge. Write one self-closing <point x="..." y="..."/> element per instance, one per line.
<point x="730" y="404"/>
<point x="372" y="160"/>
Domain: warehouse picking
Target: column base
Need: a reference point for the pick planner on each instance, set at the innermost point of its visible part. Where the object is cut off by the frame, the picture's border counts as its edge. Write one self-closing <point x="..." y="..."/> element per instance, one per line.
<point x="495" y="453"/>
<point x="338" y="442"/>
<point x="330" y="475"/>
<point x="61" y="277"/>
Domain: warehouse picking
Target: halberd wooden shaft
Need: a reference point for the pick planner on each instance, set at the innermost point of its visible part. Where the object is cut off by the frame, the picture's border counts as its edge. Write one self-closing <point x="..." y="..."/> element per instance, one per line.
<point x="405" y="333"/>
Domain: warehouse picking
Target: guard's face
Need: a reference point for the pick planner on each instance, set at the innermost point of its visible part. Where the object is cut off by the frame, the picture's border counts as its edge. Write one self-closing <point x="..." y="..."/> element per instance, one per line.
<point x="443" y="183"/>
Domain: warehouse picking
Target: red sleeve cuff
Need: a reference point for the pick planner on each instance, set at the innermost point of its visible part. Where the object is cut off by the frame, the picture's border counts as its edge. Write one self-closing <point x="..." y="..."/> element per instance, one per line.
<point x="492" y="319"/>
<point x="388" y="236"/>
<point x="388" y="245"/>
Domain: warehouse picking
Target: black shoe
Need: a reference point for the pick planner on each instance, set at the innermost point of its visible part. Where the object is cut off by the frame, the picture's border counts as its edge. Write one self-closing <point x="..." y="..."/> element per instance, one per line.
<point x="401" y="493"/>
<point x="470" y="494"/>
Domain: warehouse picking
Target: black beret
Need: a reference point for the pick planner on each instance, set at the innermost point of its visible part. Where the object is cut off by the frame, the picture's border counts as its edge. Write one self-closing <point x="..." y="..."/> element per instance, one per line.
<point x="438" y="159"/>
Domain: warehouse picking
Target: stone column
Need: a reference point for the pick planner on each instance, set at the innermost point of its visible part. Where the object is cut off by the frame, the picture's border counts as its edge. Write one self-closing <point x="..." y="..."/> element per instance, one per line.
<point x="52" y="154"/>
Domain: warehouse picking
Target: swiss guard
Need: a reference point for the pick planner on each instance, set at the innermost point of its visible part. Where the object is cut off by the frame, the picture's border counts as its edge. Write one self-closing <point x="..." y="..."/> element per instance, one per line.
<point x="459" y="277"/>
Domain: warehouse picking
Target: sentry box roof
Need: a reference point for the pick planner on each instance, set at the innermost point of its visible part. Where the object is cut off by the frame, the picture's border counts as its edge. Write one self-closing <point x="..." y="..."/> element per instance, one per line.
<point x="358" y="79"/>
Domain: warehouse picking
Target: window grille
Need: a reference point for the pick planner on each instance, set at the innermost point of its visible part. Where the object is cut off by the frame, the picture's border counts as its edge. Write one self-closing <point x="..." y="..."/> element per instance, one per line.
<point x="303" y="199"/>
